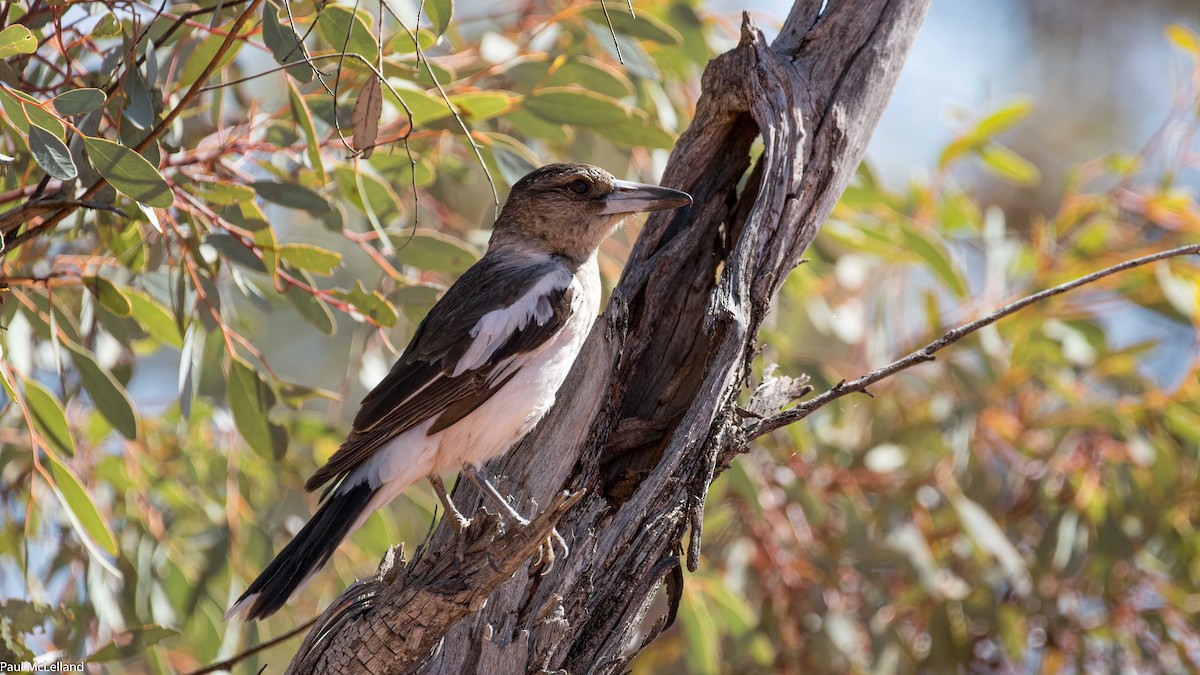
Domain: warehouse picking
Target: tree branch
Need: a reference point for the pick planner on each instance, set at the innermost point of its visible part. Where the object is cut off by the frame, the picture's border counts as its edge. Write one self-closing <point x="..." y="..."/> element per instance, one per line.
<point x="228" y="663"/>
<point x="651" y="400"/>
<point x="927" y="352"/>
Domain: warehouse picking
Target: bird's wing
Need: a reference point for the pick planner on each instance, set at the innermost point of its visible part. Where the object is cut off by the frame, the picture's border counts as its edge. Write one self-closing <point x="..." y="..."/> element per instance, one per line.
<point x="470" y="344"/>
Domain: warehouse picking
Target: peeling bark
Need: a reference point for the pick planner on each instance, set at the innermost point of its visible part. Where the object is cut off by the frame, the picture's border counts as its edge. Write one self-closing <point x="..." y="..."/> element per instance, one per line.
<point x="648" y="416"/>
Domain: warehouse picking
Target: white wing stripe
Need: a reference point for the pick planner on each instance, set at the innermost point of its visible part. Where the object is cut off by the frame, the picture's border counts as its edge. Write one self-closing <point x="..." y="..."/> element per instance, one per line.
<point x="497" y="326"/>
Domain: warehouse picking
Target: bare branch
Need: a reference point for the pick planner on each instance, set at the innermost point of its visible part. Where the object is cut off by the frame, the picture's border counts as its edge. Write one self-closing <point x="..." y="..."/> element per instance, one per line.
<point x="926" y="353"/>
<point x="251" y="651"/>
<point x="11" y="219"/>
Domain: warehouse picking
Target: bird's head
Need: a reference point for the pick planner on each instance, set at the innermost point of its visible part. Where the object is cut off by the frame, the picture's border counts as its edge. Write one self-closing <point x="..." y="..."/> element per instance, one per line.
<point x="568" y="209"/>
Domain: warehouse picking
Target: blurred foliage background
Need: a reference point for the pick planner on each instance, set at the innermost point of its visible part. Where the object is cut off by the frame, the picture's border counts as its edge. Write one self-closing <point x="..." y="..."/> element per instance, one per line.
<point x="171" y="375"/>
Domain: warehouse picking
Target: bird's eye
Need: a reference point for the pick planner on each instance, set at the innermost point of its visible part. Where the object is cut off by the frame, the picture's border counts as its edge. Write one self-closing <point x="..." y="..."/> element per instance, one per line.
<point x="579" y="187"/>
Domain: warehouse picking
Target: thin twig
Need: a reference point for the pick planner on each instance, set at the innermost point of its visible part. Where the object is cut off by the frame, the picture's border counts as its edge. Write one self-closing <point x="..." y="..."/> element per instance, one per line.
<point x="612" y="31"/>
<point x="238" y="658"/>
<point x="926" y="353"/>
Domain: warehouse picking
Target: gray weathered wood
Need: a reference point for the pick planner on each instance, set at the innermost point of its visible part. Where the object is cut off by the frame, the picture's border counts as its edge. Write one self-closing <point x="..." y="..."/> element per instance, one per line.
<point x="650" y="403"/>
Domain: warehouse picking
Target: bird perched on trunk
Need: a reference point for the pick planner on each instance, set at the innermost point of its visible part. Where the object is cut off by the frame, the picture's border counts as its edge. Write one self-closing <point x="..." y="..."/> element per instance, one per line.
<point x="481" y="369"/>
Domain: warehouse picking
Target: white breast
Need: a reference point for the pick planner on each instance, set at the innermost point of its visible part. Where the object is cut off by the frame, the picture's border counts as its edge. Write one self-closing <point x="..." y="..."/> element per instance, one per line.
<point x="513" y="411"/>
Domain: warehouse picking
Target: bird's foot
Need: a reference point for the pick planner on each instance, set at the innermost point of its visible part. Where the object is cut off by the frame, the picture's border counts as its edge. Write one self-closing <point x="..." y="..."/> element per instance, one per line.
<point x="544" y="562"/>
<point x="506" y="510"/>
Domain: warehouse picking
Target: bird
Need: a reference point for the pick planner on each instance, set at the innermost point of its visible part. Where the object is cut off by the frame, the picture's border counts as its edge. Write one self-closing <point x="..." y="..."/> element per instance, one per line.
<point x="482" y="368"/>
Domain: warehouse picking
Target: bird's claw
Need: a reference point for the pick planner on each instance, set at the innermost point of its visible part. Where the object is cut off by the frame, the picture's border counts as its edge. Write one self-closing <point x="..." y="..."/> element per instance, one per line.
<point x="544" y="562"/>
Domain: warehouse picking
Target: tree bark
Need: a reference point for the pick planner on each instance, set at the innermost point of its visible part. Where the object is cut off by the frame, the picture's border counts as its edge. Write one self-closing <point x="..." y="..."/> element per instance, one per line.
<point x="649" y="415"/>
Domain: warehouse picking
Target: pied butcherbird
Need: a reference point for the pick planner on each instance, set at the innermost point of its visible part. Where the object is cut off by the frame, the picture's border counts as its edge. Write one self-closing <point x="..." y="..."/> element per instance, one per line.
<point x="482" y="368"/>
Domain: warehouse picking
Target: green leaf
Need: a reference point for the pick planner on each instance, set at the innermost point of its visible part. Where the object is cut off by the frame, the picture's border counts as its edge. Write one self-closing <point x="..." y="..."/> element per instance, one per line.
<point x="313" y="309"/>
<point x="304" y="119"/>
<point x="1003" y="119"/>
<point x="399" y="171"/>
<point x="439" y="12"/>
<point x="1183" y="421"/>
<point x="590" y="74"/>
<point x="937" y="259"/>
<point x="110" y="297"/>
<point x="23" y="108"/>
<point x="644" y="27"/>
<point x="312" y="258"/>
<point x="423" y="107"/>
<point x="532" y="125"/>
<point x="380" y="198"/>
<point x="202" y="55"/>
<point x="222" y="193"/>
<point x="512" y="158"/>
<point x="235" y="250"/>
<point x="14" y="111"/>
<point x="250" y="399"/>
<point x="264" y="241"/>
<point x="575" y="106"/>
<point x="435" y="251"/>
<point x="403" y="44"/>
<point x="131" y="643"/>
<point x="49" y="417"/>
<point x="51" y="154"/>
<point x="701" y="635"/>
<point x="481" y="105"/>
<point x="1009" y="165"/>
<point x="284" y="43"/>
<point x="128" y="172"/>
<point x="370" y="304"/>
<point x="16" y="40"/>
<point x="637" y="131"/>
<point x="109" y="26"/>
<point x="292" y="196"/>
<point x="154" y="318"/>
<point x="86" y="517"/>
<point x="8" y="386"/>
<point x="79" y="101"/>
<point x="107" y="394"/>
<point x="337" y="22"/>
<point x="139" y="110"/>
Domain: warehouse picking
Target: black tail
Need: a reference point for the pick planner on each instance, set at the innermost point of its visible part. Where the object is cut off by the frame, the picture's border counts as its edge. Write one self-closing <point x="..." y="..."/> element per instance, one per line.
<point x="304" y="554"/>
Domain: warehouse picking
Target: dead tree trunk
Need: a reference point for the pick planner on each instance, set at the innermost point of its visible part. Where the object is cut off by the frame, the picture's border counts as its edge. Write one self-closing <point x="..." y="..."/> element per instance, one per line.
<point x="648" y="417"/>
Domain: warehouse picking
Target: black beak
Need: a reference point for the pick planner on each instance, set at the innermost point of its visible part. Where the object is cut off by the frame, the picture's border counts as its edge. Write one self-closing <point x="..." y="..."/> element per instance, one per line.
<point x="637" y="197"/>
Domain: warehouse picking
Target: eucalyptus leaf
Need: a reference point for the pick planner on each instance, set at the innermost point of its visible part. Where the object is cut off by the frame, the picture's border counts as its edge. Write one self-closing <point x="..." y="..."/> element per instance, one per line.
<point x="74" y="497"/>
<point x="153" y="317"/>
<point x="312" y="258"/>
<point x="250" y="399"/>
<point x="129" y="172"/>
<point x="292" y="195"/>
<point x="109" y="397"/>
<point x="16" y="40"/>
<point x="49" y="417"/>
<point x="79" y="101"/>
<point x="436" y="251"/>
<point x="51" y="154"/>
<point x="349" y="32"/>
<point x="575" y="106"/>
<point x="140" y="109"/>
